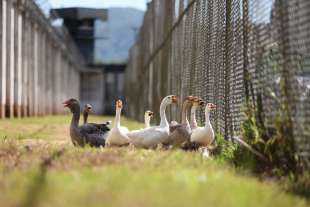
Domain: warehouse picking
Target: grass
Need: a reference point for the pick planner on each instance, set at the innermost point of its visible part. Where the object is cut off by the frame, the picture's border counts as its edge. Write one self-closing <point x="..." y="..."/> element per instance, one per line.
<point x="40" y="167"/>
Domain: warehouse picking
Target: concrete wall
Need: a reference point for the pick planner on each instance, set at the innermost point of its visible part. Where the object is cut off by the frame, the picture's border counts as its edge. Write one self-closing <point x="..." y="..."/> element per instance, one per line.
<point x="39" y="69"/>
<point x="92" y="90"/>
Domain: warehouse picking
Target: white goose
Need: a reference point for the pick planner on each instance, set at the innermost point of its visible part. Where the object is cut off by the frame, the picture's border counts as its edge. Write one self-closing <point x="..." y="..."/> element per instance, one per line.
<point x="147" y="118"/>
<point x="151" y="137"/>
<point x="197" y="102"/>
<point x="204" y="135"/>
<point x="118" y="135"/>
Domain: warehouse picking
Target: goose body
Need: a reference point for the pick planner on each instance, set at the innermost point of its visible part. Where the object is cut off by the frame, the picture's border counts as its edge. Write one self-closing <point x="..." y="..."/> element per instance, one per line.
<point x="152" y="136"/>
<point x="149" y="137"/>
<point x="204" y="135"/>
<point x="180" y="133"/>
<point x="118" y="135"/>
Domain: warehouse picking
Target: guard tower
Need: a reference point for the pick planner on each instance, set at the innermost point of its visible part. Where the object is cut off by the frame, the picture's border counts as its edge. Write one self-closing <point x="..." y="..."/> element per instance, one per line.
<point x="104" y="37"/>
<point x="81" y="25"/>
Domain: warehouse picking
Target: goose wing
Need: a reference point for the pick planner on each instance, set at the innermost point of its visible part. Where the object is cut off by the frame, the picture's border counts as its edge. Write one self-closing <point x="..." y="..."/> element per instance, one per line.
<point x="91" y="128"/>
<point x="124" y="129"/>
<point x="92" y="135"/>
<point x="102" y="127"/>
<point x="180" y="135"/>
<point x="149" y="137"/>
<point x="174" y="127"/>
<point x="95" y="140"/>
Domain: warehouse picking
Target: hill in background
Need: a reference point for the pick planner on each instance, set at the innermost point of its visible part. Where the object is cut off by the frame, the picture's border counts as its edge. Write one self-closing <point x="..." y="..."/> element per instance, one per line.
<point x="117" y="35"/>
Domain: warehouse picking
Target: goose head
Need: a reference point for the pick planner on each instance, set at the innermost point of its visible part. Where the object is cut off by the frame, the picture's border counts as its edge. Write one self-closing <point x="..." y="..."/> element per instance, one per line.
<point x="88" y="108"/>
<point x="210" y="107"/>
<point x="118" y="111"/>
<point x="147" y="118"/>
<point x="171" y="99"/>
<point x="148" y="114"/>
<point x="198" y="102"/>
<point x="189" y="100"/>
<point x="119" y="104"/>
<point x="73" y="105"/>
<point x="108" y="122"/>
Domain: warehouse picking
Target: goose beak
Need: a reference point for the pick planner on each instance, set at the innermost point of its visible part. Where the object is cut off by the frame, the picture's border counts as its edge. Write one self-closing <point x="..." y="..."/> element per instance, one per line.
<point x="66" y="103"/>
<point x="119" y="104"/>
<point x="174" y="99"/>
<point x="190" y="98"/>
<point x="88" y="107"/>
<point x="212" y="106"/>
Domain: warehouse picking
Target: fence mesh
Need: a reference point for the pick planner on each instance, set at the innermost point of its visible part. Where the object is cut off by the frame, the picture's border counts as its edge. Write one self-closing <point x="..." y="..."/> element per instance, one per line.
<point x="229" y="52"/>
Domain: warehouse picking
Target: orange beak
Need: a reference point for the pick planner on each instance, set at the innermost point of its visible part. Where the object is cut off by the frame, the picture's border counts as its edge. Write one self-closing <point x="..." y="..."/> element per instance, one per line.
<point x="190" y="98"/>
<point x="119" y="104"/>
<point x="174" y="99"/>
<point x="212" y="106"/>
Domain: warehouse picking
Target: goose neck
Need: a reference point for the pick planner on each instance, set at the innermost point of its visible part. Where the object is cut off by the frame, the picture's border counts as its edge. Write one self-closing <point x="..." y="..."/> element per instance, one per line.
<point x="193" y="116"/>
<point x="147" y="121"/>
<point x="163" y="118"/>
<point x="117" y="122"/>
<point x="75" y="118"/>
<point x="185" y="107"/>
<point x="207" y="115"/>
<point x="85" y="116"/>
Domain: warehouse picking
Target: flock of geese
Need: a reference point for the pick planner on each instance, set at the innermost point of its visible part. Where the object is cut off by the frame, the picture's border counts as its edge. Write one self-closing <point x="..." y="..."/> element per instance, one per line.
<point x="186" y="133"/>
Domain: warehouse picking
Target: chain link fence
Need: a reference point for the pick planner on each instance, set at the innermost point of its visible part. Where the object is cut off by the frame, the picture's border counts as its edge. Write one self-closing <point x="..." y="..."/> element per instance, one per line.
<point x="234" y="53"/>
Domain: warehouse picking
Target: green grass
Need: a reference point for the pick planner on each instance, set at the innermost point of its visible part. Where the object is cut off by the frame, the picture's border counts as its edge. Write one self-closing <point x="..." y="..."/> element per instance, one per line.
<point x="117" y="176"/>
<point x="48" y="128"/>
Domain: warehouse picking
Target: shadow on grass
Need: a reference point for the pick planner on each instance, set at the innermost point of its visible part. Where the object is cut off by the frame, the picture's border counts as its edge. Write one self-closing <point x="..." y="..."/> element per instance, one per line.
<point x="39" y="181"/>
<point x="36" y="133"/>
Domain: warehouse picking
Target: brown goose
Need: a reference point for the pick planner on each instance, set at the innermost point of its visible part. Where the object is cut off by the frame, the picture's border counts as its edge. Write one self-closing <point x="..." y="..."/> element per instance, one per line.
<point x="86" y="133"/>
<point x="180" y="133"/>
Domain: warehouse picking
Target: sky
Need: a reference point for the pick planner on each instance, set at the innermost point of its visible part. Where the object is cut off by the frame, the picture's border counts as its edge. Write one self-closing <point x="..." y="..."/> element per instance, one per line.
<point x="138" y="4"/>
